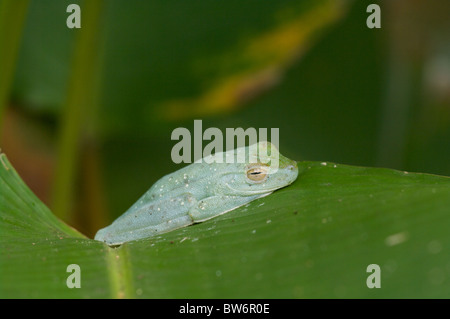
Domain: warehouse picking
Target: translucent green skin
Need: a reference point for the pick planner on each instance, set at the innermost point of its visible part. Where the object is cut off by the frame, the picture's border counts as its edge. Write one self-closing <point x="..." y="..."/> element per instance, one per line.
<point x="195" y="193"/>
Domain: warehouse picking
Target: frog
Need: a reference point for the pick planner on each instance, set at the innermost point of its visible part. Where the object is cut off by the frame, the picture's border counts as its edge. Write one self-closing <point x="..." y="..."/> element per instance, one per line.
<point x="207" y="188"/>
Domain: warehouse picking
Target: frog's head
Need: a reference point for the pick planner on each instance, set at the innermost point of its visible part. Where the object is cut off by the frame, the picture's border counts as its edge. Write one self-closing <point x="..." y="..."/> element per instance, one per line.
<point x="264" y="171"/>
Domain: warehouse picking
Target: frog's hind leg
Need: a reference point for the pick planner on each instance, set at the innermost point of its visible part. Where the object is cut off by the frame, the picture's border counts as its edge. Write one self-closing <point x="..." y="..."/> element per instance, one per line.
<point x="217" y="205"/>
<point x="175" y="223"/>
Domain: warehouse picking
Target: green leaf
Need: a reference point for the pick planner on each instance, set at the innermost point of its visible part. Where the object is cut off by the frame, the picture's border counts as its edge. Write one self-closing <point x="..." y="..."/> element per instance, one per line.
<point x="314" y="238"/>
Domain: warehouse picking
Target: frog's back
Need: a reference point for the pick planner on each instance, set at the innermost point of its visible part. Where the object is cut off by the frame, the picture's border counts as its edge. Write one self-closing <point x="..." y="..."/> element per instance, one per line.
<point x="181" y="181"/>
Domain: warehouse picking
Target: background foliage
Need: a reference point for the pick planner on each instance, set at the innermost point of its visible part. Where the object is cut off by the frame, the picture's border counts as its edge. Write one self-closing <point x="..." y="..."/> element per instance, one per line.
<point x="86" y="118"/>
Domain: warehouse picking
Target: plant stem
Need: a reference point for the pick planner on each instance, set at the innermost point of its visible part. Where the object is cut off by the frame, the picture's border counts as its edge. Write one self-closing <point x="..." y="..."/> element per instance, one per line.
<point x="77" y="106"/>
<point x="12" y="20"/>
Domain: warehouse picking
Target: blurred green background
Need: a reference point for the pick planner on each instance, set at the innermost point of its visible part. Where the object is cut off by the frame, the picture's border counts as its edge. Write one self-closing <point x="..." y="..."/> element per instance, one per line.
<point x="86" y="114"/>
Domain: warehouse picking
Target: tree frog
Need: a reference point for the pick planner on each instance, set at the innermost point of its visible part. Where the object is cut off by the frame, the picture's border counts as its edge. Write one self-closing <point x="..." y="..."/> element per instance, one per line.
<point x="202" y="190"/>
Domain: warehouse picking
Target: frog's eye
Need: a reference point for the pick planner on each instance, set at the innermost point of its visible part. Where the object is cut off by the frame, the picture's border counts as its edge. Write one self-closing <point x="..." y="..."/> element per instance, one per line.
<point x="257" y="174"/>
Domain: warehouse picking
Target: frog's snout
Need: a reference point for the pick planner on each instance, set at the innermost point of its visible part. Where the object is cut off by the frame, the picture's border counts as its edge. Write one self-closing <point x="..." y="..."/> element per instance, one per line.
<point x="292" y="170"/>
<point x="292" y="167"/>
